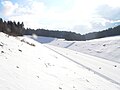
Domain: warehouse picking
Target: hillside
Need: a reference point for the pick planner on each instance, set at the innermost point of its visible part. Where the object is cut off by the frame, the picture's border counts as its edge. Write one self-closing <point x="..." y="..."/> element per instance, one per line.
<point x="107" y="48"/>
<point x="28" y="65"/>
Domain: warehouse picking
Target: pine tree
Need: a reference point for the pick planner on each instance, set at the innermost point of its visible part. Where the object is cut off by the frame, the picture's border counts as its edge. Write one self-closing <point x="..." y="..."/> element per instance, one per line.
<point x="1" y="25"/>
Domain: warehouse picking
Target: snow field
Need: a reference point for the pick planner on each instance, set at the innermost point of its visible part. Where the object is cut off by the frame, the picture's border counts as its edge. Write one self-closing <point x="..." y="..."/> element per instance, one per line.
<point x="27" y="67"/>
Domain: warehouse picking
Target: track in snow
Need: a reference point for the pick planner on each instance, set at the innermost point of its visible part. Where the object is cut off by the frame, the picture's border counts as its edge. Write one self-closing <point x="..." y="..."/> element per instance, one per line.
<point x="69" y="45"/>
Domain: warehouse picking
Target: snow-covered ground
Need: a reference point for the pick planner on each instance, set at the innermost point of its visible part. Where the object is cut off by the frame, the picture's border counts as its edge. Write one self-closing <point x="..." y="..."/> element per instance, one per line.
<point x="103" y="68"/>
<point x="28" y="65"/>
<point x="107" y="48"/>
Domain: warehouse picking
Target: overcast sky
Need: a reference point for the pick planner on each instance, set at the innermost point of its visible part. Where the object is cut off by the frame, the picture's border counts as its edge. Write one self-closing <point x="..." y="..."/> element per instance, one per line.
<point x="81" y="16"/>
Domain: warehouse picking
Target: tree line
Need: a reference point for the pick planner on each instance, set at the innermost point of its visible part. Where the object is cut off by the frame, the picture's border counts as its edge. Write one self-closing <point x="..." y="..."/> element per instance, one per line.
<point x="17" y="29"/>
<point x="70" y="36"/>
<point x="12" y="28"/>
<point x="104" y="33"/>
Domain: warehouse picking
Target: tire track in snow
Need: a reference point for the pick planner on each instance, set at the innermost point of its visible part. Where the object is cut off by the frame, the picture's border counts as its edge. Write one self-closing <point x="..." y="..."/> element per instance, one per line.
<point x="69" y="45"/>
<point x="101" y="75"/>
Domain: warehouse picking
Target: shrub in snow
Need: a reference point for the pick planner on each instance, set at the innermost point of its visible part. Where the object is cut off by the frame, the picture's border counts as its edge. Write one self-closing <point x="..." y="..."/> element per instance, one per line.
<point x="31" y="44"/>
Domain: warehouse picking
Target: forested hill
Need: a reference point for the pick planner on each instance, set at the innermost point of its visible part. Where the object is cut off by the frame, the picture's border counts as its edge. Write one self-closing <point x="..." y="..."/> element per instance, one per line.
<point x="74" y="36"/>
<point x="104" y="33"/>
<point x="17" y="29"/>
<point x="57" y="34"/>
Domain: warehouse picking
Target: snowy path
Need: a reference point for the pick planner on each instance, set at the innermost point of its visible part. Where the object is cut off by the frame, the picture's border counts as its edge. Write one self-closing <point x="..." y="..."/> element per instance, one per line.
<point x="106" y="69"/>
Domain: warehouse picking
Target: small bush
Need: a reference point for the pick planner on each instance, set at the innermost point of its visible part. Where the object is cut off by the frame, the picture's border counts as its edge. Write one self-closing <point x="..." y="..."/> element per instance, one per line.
<point x="31" y="44"/>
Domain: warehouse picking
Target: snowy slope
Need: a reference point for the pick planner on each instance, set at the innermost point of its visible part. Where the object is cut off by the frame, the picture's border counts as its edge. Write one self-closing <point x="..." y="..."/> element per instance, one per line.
<point x="107" y="48"/>
<point x="28" y="65"/>
<point x="103" y="68"/>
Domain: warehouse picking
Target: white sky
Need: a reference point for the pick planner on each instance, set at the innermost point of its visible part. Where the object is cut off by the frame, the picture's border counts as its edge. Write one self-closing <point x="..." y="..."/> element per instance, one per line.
<point x="80" y="16"/>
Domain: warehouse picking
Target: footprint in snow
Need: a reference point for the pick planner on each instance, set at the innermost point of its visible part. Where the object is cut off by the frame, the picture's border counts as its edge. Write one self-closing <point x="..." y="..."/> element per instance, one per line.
<point x="73" y="86"/>
<point x="60" y="88"/>
<point x="1" y="45"/>
<point x="87" y="80"/>
<point x="37" y="76"/>
<point x="99" y="67"/>
<point x="48" y="64"/>
<point x="9" y="50"/>
<point x="17" y="67"/>
<point x="39" y="58"/>
<point x="20" y="50"/>
<point x="104" y="45"/>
